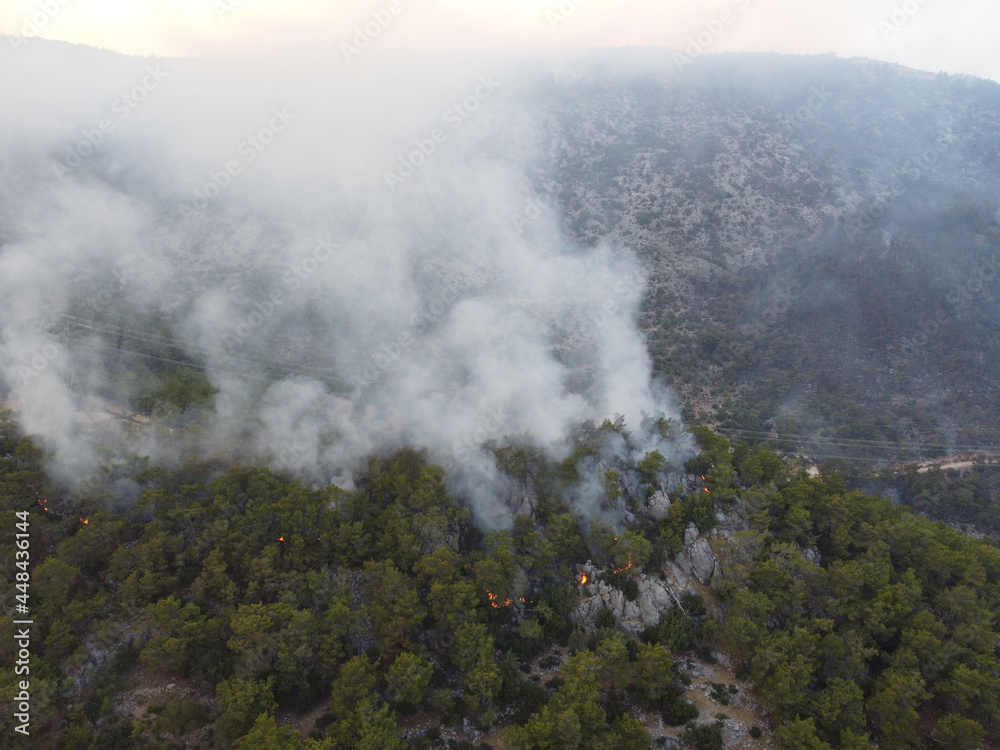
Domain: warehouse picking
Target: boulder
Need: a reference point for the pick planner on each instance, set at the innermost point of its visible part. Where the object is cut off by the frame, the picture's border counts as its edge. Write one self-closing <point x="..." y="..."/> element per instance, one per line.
<point x="616" y="603"/>
<point x="587" y="612"/>
<point x="524" y="502"/>
<point x="659" y="506"/>
<point x="661" y="596"/>
<point x="653" y="602"/>
<point x="648" y="610"/>
<point x="631" y="612"/>
<point x="690" y="534"/>
<point x="812" y="555"/>
<point x="681" y="561"/>
<point x="702" y="560"/>
<point x="678" y="575"/>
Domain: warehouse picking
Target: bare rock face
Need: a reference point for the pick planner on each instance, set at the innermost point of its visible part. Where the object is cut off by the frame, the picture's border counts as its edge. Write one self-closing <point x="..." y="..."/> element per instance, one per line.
<point x="697" y="558"/>
<point x="587" y="612"/>
<point x="655" y="598"/>
<point x="653" y="601"/>
<point x="702" y="560"/>
<point x="690" y="534"/>
<point x="616" y="602"/>
<point x="524" y="501"/>
<point x="659" y="506"/>
<point x="657" y="595"/>
<point x="678" y="575"/>
<point x="812" y="555"/>
<point x="682" y="562"/>
<point x="723" y="658"/>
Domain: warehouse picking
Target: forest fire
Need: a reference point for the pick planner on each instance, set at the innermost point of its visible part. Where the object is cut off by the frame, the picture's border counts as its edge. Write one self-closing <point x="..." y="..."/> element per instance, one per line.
<point x="495" y="601"/>
<point x="627" y="567"/>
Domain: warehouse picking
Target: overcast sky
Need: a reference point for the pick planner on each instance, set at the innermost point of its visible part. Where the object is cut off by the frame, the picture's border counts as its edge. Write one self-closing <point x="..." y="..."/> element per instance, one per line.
<point x="956" y="36"/>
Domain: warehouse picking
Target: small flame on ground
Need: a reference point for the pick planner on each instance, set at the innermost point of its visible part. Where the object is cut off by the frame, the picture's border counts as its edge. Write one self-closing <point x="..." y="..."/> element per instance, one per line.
<point x="619" y="570"/>
<point x="495" y="601"/>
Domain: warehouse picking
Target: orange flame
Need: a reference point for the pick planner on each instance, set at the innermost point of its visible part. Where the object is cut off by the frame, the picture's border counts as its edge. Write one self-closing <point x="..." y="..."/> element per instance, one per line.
<point x="281" y="538"/>
<point x="494" y="599"/>
<point x="85" y="520"/>
<point x="619" y="570"/>
<point x="706" y="490"/>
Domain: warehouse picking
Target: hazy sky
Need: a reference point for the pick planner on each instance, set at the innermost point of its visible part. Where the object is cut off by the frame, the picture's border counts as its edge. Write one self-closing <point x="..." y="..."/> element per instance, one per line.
<point x="956" y="36"/>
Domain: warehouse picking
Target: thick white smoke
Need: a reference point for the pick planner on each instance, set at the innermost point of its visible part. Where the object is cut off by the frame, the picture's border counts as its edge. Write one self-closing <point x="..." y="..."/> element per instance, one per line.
<point x="362" y="257"/>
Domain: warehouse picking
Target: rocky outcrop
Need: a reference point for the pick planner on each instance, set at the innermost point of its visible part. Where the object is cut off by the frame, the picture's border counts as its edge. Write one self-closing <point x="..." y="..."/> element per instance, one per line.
<point x="702" y="560"/>
<point x="524" y="500"/>
<point x="690" y="534"/>
<point x="659" y="506"/>
<point x="656" y="596"/>
<point x="696" y="558"/>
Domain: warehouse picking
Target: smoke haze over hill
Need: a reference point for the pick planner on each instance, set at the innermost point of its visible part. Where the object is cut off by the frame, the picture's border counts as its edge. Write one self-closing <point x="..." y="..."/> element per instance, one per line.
<point x="357" y="259"/>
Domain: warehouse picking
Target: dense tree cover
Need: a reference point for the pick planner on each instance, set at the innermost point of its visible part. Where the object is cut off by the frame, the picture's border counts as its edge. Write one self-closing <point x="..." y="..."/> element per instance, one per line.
<point x="373" y="605"/>
<point x="890" y="636"/>
<point x="276" y="597"/>
<point x="969" y="497"/>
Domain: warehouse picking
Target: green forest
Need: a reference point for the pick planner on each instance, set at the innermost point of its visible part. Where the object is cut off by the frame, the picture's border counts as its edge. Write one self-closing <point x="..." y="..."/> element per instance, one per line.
<point x="385" y="618"/>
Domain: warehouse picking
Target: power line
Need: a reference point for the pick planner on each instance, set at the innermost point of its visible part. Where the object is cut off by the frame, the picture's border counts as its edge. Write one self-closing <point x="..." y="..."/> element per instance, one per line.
<point x="921" y="449"/>
<point x="856" y="442"/>
<point x="333" y="377"/>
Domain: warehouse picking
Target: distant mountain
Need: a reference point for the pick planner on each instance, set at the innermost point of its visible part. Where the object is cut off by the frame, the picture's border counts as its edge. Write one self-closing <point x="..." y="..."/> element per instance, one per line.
<point x="822" y="238"/>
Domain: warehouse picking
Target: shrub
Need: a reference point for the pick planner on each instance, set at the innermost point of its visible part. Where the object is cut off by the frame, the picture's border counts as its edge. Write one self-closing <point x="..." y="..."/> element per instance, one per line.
<point x="605" y="619"/>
